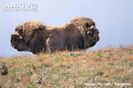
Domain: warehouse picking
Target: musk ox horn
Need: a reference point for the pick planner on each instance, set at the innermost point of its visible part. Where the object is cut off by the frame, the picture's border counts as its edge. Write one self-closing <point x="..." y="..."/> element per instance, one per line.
<point x="92" y="27"/>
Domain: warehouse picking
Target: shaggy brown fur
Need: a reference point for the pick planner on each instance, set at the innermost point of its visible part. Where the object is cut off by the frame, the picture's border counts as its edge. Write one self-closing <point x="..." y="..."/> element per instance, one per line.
<point x="33" y="36"/>
<point x="64" y="38"/>
<point x="24" y="37"/>
<point x="88" y="29"/>
<point x="36" y="37"/>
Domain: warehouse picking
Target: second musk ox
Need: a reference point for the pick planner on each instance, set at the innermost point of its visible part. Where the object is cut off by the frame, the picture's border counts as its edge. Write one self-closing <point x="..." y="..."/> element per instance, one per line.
<point x="36" y="37"/>
<point x="88" y="30"/>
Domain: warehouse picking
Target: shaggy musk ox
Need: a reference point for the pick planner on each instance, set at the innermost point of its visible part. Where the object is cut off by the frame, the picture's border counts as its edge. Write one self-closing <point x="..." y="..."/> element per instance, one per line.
<point x="88" y="29"/>
<point x="36" y="37"/>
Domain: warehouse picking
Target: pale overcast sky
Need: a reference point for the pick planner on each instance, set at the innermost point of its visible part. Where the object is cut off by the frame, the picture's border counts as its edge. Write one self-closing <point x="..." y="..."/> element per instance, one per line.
<point x="114" y="19"/>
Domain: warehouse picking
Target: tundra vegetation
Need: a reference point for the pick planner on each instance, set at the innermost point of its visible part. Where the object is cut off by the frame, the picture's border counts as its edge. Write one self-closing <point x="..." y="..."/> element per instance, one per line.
<point x="69" y="69"/>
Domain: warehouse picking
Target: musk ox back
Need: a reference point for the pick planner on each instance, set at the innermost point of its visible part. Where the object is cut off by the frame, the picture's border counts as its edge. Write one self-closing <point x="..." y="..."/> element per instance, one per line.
<point x="36" y="37"/>
<point x="64" y="38"/>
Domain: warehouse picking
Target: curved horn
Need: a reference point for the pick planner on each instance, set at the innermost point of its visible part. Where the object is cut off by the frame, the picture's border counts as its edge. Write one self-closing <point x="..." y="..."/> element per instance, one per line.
<point x="92" y="27"/>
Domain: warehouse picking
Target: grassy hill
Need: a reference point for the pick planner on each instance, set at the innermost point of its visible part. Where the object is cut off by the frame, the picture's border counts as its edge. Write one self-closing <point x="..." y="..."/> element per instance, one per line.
<point x="78" y="69"/>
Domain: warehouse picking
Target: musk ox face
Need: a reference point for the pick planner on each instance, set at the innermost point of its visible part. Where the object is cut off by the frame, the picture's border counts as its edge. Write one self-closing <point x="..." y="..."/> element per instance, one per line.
<point x="18" y="43"/>
<point x="91" y="37"/>
<point x="88" y="29"/>
<point x="18" y="39"/>
<point x="25" y="34"/>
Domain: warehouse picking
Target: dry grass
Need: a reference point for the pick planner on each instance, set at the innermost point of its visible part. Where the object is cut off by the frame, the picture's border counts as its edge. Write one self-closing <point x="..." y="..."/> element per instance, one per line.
<point x="70" y="69"/>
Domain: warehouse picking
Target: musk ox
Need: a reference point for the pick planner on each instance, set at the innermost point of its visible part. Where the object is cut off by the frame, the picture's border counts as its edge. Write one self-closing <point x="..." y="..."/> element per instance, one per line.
<point x="25" y="33"/>
<point x="88" y="29"/>
<point x="35" y="37"/>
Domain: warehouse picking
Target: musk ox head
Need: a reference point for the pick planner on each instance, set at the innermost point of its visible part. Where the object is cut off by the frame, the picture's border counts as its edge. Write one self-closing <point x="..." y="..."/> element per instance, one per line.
<point x="18" y="43"/>
<point x="88" y="29"/>
<point x="25" y="35"/>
